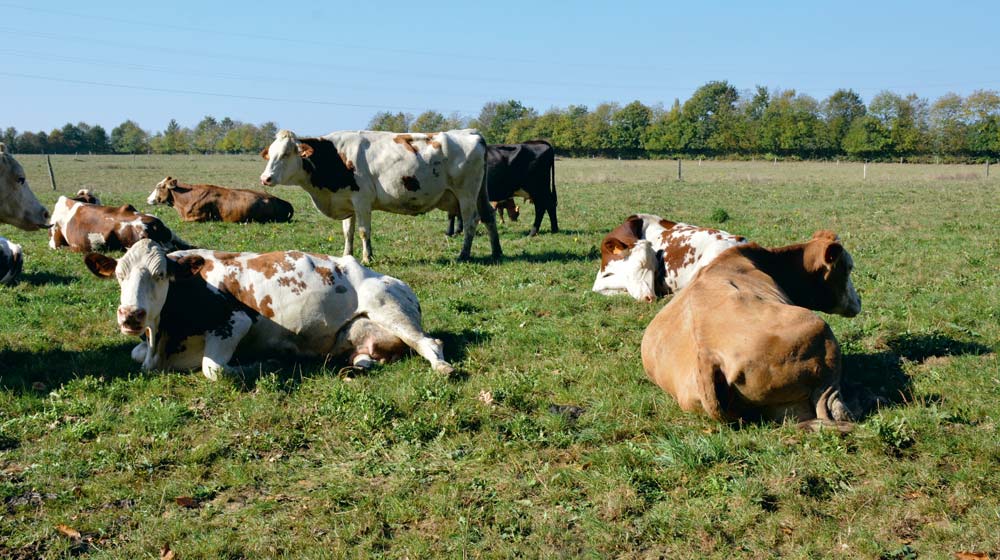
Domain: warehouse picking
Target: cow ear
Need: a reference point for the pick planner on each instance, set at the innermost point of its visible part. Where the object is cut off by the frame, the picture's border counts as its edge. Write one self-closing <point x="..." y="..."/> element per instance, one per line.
<point x="263" y="153"/>
<point x="305" y="150"/>
<point x="101" y="265"/>
<point x="615" y="246"/>
<point x="832" y="253"/>
<point x="186" y="266"/>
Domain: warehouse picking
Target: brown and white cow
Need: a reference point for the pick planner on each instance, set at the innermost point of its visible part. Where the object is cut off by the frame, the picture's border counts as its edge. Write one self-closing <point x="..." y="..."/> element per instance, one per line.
<point x="92" y="227"/>
<point x="202" y="308"/>
<point x="11" y="261"/>
<point x="740" y="342"/>
<point x="648" y="256"/>
<point x="508" y="205"/>
<point x="211" y="203"/>
<point x="349" y="174"/>
<point x="18" y="205"/>
<point x="86" y="195"/>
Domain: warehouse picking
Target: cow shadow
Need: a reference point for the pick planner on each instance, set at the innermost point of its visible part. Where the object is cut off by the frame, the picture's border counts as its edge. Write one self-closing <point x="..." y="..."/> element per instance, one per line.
<point x="27" y="371"/>
<point x="549" y="256"/>
<point x="47" y="279"/>
<point x="877" y="380"/>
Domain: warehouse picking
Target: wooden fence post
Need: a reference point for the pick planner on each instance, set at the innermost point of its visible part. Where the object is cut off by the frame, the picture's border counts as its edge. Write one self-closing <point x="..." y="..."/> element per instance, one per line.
<point x="679" y="169"/>
<point x="987" y="168"/>
<point x="865" y="173"/>
<point x="52" y="175"/>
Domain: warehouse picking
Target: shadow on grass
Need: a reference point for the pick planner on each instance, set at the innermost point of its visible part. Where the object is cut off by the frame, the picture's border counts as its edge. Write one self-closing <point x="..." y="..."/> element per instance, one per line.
<point x="47" y="278"/>
<point x="539" y="257"/>
<point x="877" y="379"/>
<point x="22" y="369"/>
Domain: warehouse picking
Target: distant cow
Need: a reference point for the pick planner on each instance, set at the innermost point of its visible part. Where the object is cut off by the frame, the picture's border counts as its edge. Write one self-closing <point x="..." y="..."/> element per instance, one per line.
<point x="11" y="261"/>
<point x="209" y="203"/>
<point x="349" y="174"/>
<point x="18" y="205"/>
<point x="203" y="308"/>
<point x="648" y="256"/>
<point x="86" y="195"/>
<point x="91" y="227"/>
<point x="740" y="342"/>
<point x="528" y="170"/>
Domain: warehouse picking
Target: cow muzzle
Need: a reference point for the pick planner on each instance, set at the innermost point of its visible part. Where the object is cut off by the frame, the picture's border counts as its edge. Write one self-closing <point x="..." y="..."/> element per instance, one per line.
<point x="131" y="319"/>
<point x="267" y="180"/>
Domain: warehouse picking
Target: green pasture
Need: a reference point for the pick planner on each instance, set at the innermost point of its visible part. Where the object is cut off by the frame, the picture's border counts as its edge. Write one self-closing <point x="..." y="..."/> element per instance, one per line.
<point x="551" y="443"/>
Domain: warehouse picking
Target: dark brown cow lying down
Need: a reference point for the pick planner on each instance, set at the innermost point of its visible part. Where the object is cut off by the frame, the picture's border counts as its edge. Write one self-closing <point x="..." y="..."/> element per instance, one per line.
<point x="92" y="227"/>
<point x="209" y="203"/>
<point x="740" y="341"/>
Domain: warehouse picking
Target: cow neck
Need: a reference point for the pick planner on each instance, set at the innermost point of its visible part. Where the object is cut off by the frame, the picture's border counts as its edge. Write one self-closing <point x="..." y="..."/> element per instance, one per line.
<point x="325" y="167"/>
<point x="192" y="308"/>
<point x="787" y="267"/>
<point x="186" y="199"/>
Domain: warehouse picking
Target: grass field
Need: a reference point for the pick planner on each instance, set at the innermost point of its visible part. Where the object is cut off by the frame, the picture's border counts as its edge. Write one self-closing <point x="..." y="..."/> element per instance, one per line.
<point x="553" y="444"/>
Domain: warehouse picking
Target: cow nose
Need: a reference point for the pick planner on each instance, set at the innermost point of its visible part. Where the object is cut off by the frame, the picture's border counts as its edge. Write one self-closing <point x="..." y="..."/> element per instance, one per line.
<point x="130" y="314"/>
<point x="265" y="180"/>
<point x="649" y="299"/>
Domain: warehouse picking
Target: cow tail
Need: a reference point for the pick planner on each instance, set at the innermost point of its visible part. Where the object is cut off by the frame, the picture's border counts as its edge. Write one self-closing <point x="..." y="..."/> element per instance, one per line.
<point x="555" y="198"/>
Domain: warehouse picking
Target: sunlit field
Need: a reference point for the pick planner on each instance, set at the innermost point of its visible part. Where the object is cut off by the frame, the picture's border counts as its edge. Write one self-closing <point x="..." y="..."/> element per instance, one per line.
<point x="551" y="442"/>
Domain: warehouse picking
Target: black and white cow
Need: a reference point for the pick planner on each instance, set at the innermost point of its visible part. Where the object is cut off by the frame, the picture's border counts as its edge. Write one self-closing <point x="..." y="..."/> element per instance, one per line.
<point x="201" y="308"/>
<point x="349" y="174"/>
<point x="11" y="261"/>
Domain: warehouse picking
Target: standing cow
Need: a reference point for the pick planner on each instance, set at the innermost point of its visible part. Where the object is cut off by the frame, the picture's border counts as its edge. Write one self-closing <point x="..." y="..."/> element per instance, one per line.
<point x="210" y="203"/>
<point x="527" y="170"/>
<point x="349" y="174"/>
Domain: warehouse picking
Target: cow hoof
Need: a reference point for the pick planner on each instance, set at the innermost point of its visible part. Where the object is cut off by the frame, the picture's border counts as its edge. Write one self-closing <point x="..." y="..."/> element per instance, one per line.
<point x="444" y="368"/>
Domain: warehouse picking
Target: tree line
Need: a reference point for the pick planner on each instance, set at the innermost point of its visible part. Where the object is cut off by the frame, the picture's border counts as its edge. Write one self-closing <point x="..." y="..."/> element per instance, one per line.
<point x="717" y="120"/>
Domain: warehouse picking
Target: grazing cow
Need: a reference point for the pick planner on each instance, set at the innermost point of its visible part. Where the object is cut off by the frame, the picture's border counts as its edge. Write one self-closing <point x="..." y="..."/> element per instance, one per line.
<point x="209" y="203"/>
<point x="349" y="174"/>
<point x="91" y="227"/>
<point x="513" y="210"/>
<point x="203" y="308"/>
<point x="528" y="170"/>
<point x="11" y="261"/>
<point x="18" y="205"/>
<point x="648" y="256"/>
<point x="740" y="342"/>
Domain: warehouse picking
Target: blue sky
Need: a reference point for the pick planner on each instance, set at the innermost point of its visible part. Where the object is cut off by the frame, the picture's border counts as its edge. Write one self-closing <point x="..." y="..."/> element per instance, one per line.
<point x="317" y="66"/>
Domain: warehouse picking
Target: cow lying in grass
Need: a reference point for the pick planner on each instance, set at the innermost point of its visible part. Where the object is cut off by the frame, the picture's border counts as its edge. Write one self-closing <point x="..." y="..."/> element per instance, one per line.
<point x="11" y="261"/>
<point x="209" y="203"/>
<point x="91" y="227"/>
<point x="740" y="342"/>
<point x="647" y="256"/>
<point x="202" y="308"/>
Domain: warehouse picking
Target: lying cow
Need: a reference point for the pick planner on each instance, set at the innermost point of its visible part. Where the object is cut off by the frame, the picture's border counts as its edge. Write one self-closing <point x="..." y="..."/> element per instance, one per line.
<point x="91" y="227"/>
<point x="527" y="170"/>
<point x="203" y="308"/>
<point x="349" y="174"/>
<point x="11" y="261"/>
<point x="740" y="342"/>
<point x="648" y="256"/>
<point x="209" y="203"/>
<point x="18" y="205"/>
<point x="86" y="195"/>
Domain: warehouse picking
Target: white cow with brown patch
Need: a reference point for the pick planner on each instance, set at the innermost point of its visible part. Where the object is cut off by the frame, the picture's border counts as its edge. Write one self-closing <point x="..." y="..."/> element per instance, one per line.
<point x="349" y="174"/>
<point x="202" y="309"/>
<point x="648" y="257"/>
<point x="740" y="342"/>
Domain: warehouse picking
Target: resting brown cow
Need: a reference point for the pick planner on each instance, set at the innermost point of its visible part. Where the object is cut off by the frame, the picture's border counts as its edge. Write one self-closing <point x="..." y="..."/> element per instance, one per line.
<point x="739" y="342"/>
<point x="91" y="227"/>
<point x="209" y="203"/>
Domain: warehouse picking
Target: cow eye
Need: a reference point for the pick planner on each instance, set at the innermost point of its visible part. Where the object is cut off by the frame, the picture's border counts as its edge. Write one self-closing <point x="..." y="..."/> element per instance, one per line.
<point x="20" y="180"/>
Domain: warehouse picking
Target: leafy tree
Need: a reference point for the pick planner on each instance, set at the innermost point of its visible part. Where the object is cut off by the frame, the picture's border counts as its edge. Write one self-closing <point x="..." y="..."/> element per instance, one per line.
<point x="867" y="138"/>
<point x="495" y="119"/>
<point x="265" y="135"/>
<point x="429" y="121"/>
<point x="175" y="139"/>
<point x="567" y="129"/>
<point x="32" y="143"/>
<point x="129" y="138"/>
<point x="709" y="107"/>
<point x="56" y="143"/>
<point x="97" y="140"/>
<point x="627" y="127"/>
<point x="391" y="122"/>
<point x="839" y="111"/>
<point x="10" y="137"/>
<point x="791" y="125"/>
<point x="207" y="135"/>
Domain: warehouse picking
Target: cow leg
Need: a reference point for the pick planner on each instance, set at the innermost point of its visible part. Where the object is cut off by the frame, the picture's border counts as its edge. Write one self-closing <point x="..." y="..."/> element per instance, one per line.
<point x="553" y="222"/>
<point x="139" y="352"/>
<point x="451" y="225"/>
<point x="363" y="215"/>
<point x="489" y="220"/>
<point x="348" y="226"/>
<point x="219" y="349"/>
<point x="539" y="214"/>
<point x="406" y="327"/>
<point x="468" y="218"/>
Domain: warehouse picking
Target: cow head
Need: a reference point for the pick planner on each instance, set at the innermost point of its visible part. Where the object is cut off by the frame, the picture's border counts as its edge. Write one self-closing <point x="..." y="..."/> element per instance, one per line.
<point x="11" y="261"/>
<point x="826" y="260"/>
<point x="163" y="193"/>
<point x="513" y="210"/>
<point x="18" y="205"/>
<point x="632" y="270"/>
<point x="284" y="160"/>
<point x="144" y="273"/>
